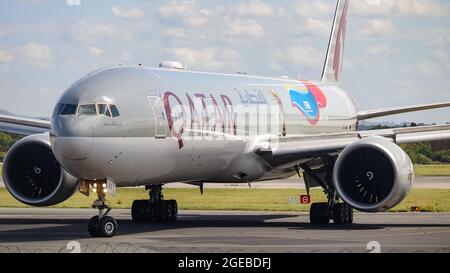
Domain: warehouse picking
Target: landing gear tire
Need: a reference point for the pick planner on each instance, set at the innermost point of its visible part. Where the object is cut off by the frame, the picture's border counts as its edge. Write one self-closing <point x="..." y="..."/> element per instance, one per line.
<point x="163" y="211"/>
<point x="174" y="210"/>
<point x="92" y="226"/>
<point x="107" y="227"/>
<point x="155" y="209"/>
<point x="342" y="214"/>
<point x="319" y="214"/>
<point x="140" y="211"/>
<point x="169" y="210"/>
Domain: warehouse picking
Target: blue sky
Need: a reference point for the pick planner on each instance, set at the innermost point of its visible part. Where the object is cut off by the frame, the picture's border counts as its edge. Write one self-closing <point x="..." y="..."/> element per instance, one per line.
<point x="397" y="51"/>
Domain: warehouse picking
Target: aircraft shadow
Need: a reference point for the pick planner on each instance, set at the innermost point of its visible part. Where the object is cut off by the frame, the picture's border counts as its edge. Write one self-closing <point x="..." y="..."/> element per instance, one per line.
<point x="75" y="229"/>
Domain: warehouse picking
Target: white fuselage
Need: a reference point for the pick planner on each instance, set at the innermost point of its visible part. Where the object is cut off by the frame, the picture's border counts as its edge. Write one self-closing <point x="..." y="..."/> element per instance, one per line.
<point x="181" y="126"/>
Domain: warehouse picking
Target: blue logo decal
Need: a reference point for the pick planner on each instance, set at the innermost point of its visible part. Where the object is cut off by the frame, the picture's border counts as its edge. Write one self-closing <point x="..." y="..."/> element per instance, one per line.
<point x="306" y="103"/>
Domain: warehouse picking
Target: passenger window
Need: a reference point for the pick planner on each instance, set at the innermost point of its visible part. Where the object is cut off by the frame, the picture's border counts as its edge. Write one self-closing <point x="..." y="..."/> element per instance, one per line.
<point x="114" y="111"/>
<point x="69" y="109"/>
<point x="87" y="109"/>
<point x="103" y="110"/>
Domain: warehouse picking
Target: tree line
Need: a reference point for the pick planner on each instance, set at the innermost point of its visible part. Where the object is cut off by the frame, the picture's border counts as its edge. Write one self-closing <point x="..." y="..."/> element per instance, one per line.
<point x="420" y="153"/>
<point x="6" y="141"/>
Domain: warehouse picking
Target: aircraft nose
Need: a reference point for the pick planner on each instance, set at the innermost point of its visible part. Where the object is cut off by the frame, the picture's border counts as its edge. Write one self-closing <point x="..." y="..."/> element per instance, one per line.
<point x="72" y="138"/>
<point x="72" y="148"/>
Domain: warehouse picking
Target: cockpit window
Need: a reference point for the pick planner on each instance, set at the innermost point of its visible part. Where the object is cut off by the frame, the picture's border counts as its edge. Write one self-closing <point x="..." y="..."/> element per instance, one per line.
<point x="87" y="110"/>
<point x="114" y="111"/>
<point x="103" y="109"/>
<point x="68" y="109"/>
<point x="58" y="109"/>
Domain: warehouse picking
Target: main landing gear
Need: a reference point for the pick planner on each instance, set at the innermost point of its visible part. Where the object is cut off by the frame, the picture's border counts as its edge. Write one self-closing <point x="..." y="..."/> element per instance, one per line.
<point x="102" y="225"/>
<point x="155" y="209"/>
<point x="322" y="213"/>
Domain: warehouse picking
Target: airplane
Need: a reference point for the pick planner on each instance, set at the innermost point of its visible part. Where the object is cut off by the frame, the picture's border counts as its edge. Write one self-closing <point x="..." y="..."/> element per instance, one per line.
<point x="127" y="126"/>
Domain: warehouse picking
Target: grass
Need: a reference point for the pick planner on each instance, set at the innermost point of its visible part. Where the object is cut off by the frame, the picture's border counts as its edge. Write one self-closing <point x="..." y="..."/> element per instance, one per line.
<point x="435" y="200"/>
<point x="432" y="170"/>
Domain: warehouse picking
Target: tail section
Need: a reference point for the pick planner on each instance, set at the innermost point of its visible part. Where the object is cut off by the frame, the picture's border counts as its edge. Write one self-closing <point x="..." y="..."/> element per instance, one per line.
<point x="333" y="62"/>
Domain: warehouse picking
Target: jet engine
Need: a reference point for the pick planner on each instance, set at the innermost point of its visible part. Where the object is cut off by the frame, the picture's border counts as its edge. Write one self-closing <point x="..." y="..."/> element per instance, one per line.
<point x="373" y="175"/>
<point x="32" y="174"/>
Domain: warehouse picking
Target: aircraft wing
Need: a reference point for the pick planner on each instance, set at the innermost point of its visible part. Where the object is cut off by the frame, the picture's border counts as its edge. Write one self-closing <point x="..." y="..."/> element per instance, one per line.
<point x="23" y="126"/>
<point x="399" y="110"/>
<point x="285" y="152"/>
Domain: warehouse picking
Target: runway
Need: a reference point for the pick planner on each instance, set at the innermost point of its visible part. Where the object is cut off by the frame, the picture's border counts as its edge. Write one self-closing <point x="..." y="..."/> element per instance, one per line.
<point x="56" y="230"/>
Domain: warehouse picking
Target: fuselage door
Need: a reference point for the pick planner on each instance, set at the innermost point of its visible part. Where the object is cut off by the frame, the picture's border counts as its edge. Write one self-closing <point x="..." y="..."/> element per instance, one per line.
<point x="159" y="115"/>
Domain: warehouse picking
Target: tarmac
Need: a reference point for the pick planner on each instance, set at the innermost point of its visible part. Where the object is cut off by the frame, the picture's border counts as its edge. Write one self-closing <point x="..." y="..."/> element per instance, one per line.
<point x="64" y="230"/>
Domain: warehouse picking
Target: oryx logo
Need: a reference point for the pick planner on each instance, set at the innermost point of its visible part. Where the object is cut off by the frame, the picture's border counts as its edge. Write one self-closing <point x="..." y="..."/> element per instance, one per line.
<point x="308" y="99"/>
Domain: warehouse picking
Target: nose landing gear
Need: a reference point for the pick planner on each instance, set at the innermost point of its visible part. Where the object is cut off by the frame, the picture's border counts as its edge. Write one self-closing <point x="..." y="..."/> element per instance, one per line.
<point x="102" y="225"/>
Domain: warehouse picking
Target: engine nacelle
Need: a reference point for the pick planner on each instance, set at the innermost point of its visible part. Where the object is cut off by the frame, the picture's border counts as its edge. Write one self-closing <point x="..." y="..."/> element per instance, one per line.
<point x="32" y="174"/>
<point x="373" y="174"/>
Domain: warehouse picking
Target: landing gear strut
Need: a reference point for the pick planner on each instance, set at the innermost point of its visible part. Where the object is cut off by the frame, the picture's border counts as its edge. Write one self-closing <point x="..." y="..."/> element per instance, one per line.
<point x="322" y="213"/>
<point x="154" y="209"/>
<point x="102" y="225"/>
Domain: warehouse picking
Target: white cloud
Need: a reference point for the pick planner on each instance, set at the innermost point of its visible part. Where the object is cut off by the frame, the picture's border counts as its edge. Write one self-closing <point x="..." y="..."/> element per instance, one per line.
<point x="432" y="66"/>
<point x="175" y="33"/>
<point x="303" y="55"/>
<point x="255" y="8"/>
<point x="37" y="54"/>
<point x="378" y="27"/>
<point x="316" y="8"/>
<point x="133" y="13"/>
<point x="95" y="51"/>
<point x="380" y="50"/>
<point x="440" y="41"/>
<point x="186" y="12"/>
<point x="425" y="8"/>
<point x="6" y="56"/>
<point x="84" y="31"/>
<point x="207" y="58"/>
<point x="299" y="56"/>
<point x="320" y="27"/>
<point x="246" y="28"/>
<point x="427" y="68"/>
<point x="125" y="56"/>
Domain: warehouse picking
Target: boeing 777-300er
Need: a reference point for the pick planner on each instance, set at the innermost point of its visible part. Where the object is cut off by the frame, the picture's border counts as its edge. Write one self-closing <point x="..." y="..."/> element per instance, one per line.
<point x="128" y="126"/>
